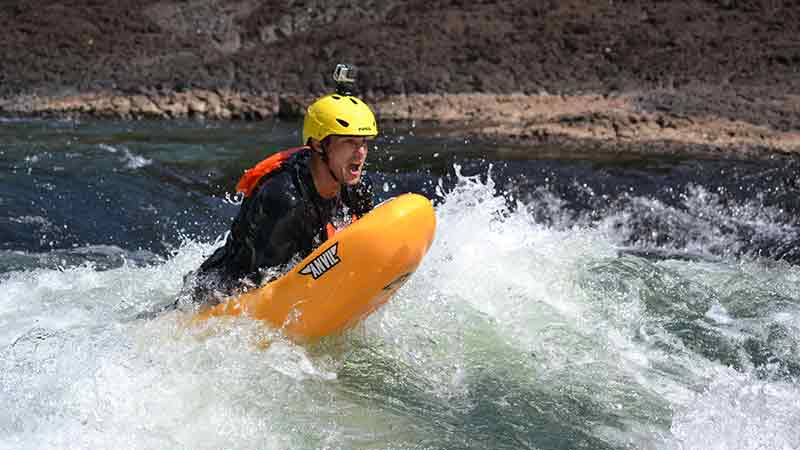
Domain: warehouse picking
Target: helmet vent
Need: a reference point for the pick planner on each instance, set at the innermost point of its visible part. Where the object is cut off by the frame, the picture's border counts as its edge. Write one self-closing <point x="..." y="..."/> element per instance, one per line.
<point x="336" y="97"/>
<point x="353" y="100"/>
<point x="343" y="123"/>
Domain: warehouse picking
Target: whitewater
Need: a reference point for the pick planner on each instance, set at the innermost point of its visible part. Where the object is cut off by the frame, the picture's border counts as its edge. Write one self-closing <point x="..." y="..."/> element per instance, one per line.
<point x="551" y="316"/>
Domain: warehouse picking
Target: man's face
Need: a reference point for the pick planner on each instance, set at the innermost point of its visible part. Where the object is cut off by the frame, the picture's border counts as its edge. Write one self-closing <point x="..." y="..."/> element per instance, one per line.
<point x="346" y="156"/>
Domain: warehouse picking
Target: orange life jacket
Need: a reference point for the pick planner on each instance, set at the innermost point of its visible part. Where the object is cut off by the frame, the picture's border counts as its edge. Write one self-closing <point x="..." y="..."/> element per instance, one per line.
<point x="252" y="176"/>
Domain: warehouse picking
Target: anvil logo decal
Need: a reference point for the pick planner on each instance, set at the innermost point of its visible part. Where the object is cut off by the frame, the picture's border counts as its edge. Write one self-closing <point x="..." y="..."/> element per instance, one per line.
<point x="322" y="263"/>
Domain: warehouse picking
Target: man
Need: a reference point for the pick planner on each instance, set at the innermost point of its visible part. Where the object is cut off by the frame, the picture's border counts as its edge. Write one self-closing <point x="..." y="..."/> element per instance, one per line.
<point x="295" y="200"/>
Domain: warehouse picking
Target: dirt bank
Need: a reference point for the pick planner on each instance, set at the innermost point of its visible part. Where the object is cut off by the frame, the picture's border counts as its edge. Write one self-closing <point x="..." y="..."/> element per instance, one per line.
<point x="719" y="77"/>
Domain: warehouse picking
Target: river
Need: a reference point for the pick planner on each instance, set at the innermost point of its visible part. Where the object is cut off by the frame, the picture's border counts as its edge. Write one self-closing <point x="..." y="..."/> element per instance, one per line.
<point x="569" y="301"/>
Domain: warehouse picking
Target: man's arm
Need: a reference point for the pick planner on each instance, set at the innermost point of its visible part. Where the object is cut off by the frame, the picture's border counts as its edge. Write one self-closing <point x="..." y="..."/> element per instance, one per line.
<point x="270" y="226"/>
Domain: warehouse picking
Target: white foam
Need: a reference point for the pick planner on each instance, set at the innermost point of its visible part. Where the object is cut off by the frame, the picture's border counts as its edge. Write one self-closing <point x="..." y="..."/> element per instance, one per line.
<point x="131" y="160"/>
<point x="739" y="412"/>
<point x="499" y="297"/>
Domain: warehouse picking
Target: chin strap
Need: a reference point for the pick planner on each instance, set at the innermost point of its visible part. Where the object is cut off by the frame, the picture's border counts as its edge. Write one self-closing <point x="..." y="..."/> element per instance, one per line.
<point x="327" y="163"/>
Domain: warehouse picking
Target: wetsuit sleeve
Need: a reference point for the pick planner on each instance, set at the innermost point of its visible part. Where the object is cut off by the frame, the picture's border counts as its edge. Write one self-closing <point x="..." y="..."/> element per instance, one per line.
<point x="360" y="198"/>
<point x="269" y="230"/>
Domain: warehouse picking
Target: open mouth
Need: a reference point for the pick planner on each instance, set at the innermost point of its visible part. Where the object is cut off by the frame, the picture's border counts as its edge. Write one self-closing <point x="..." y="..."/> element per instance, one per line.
<point x="354" y="168"/>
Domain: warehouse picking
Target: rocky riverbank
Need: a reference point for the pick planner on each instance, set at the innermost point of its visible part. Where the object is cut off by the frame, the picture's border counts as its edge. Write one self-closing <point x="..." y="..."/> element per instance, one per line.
<point x="718" y="78"/>
<point x="609" y="124"/>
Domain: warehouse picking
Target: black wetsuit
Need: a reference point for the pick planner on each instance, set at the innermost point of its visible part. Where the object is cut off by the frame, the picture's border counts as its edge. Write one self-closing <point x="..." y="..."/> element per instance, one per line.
<point x="282" y="221"/>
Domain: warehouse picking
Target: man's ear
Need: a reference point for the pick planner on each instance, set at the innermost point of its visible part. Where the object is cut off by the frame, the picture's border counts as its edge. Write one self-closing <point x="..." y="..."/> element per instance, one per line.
<point x="314" y="144"/>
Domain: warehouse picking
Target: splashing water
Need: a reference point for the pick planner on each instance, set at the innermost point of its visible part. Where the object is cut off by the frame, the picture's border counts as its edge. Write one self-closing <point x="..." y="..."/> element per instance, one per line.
<point x="582" y="306"/>
<point x="512" y="334"/>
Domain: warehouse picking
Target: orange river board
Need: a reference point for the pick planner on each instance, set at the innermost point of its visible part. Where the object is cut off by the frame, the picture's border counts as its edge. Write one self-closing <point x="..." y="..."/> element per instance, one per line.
<point x="346" y="278"/>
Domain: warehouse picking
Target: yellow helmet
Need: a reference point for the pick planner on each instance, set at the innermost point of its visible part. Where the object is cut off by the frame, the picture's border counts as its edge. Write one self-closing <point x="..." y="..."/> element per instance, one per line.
<point x="338" y="114"/>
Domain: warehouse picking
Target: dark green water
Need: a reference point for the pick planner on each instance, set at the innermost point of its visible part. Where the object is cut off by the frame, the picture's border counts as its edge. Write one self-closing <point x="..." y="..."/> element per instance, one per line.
<point x="568" y="302"/>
